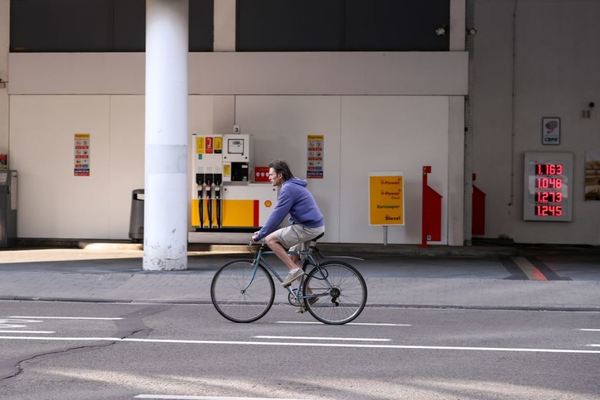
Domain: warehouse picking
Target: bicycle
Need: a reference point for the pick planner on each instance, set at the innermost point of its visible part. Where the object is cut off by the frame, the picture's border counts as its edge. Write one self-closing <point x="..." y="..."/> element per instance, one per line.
<point x="333" y="292"/>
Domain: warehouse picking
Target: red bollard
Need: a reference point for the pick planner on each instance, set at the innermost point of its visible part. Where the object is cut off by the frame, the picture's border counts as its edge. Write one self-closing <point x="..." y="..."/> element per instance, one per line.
<point x="478" y="208"/>
<point x="431" y="223"/>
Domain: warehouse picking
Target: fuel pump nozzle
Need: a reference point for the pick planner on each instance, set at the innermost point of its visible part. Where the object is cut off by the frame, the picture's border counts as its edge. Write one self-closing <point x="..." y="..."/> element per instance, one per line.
<point x="214" y="219"/>
<point x="210" y="186"/>
<point x="218" y="199"/>
<point x="200" y="189"/>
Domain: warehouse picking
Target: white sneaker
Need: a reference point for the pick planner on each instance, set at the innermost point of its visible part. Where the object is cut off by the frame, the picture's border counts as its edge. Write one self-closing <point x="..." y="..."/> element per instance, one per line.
<point x="292" y="276"/>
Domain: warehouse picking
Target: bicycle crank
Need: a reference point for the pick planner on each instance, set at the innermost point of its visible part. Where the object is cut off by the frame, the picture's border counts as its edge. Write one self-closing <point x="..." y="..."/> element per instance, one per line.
<point x="292" y="299"/>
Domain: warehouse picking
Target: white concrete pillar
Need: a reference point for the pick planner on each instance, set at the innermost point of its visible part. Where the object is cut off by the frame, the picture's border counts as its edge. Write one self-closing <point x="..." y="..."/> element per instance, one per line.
<point x="456" y="170"/>
<point x="165" y="200"/>
<point x="4" y="48"/>
<point x="458" y="216"/>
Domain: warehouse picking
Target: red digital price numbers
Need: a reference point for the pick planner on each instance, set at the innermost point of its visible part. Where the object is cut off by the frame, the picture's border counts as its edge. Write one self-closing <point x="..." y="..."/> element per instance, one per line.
<point x="548" y="185"/>
<point x="548" y="211"/>
<point x="548" y="197"/>
<point x="549" y="169"/>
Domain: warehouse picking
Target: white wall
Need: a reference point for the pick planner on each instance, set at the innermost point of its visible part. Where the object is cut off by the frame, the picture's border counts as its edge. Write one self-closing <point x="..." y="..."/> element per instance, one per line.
<point x="52" y="201"/>
<point x="391" y="134"/>
<point x="126" y="160"/>
<point x="280" y="125"/>
<point x="102" y="94"/>
<point x="231" y="73"/>
<point x="374" y="133"/>
<point x="555" y="74"/>
<point x="55" y="204"/>
<point x="362" y="134"/>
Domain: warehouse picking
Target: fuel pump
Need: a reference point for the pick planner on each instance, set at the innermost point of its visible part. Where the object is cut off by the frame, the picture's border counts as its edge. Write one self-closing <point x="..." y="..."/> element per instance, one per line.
<point x="225" y="201"/>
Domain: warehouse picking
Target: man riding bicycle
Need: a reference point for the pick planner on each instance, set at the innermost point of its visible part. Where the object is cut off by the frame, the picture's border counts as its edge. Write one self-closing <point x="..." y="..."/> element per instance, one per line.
<point x="305" y="217"/>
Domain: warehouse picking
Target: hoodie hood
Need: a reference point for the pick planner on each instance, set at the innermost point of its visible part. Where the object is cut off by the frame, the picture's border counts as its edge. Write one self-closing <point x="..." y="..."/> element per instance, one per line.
<point x="297" y="181"/>
<point x="293" y="199"/>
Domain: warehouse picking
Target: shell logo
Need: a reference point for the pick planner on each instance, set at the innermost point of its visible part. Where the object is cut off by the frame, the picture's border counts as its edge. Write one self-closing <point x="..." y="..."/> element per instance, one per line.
<point x="268" y="203"/>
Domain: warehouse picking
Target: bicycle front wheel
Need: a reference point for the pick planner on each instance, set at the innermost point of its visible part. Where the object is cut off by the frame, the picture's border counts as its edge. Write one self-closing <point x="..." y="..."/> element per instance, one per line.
<point x="336" y="293"/>
<point x="242" y="293"/>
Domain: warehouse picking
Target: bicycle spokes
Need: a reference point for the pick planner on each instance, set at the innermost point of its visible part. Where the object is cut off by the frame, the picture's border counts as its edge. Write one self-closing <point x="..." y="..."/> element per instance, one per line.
<point x="340" y="291"/>
<point x="242" y="291"/>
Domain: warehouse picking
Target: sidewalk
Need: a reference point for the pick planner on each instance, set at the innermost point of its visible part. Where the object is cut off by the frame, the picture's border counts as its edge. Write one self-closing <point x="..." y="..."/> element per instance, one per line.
<point x="482" y="277"/>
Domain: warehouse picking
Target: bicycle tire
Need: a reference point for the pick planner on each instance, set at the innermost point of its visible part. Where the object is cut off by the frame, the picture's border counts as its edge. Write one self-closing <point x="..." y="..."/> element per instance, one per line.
<point x="344" y="301"/>
<point x="231" y="302"/>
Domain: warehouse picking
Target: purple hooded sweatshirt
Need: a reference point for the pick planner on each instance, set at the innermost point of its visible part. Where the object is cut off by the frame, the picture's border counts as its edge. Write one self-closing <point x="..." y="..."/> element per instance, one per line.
<point x="295" y="199"/>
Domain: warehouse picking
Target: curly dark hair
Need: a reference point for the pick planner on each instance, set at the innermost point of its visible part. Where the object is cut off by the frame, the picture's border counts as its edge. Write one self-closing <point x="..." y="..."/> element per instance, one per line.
<point x="281" y="167"/>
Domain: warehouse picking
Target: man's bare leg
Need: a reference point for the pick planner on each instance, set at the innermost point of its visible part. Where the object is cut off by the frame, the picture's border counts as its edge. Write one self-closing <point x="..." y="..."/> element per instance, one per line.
<point x="281" y="253"/>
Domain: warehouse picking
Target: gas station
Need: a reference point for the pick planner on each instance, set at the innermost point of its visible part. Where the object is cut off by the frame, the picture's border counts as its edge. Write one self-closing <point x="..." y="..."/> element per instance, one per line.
<point x="483" y="151"/>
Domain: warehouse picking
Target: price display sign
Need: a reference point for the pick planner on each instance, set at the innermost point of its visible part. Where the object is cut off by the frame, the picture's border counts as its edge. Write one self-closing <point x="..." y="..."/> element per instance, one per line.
<point x="548" y="186"/>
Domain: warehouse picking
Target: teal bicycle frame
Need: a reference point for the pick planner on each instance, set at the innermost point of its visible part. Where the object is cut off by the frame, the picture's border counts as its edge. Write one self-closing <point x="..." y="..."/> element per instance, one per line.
<point x="306" y="256"/>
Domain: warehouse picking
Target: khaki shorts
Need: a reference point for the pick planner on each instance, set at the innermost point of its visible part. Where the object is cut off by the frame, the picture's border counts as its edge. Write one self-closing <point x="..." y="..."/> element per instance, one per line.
<point x="295" y="237"/>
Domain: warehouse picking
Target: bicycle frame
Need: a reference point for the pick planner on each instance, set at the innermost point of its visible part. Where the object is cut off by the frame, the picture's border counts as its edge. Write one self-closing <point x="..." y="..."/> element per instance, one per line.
<point x="306" y="256"/>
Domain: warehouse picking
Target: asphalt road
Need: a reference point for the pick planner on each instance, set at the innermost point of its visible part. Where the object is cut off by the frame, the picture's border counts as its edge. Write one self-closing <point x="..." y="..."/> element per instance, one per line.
<point x="60" y="350"/>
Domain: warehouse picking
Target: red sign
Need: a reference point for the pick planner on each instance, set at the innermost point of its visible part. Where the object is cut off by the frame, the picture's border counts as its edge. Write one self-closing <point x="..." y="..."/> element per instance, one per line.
<point x="261" y="174"/>
<point x="548" y="185"/>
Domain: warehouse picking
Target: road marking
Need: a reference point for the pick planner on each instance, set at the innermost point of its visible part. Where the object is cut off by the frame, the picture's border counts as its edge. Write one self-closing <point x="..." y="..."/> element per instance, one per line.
<point x="304" y="344"/>
<point x="324" y="338"/>
<point x="590" y="330"/>
<point x="594" y="345"/>
<point x="48" y="332"/>
<point x="532" y="272"/>
<point x="19" y="320"/>
<point x="82" y="318"/>
<point x="180" y="397"/>
<point x="10" y="326"/>
<point x="350" y="323"/>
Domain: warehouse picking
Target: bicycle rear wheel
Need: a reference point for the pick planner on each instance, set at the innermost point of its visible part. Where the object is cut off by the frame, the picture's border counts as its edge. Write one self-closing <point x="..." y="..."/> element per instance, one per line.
<point x="240" y="294"/>
<point x="336" y="293"/>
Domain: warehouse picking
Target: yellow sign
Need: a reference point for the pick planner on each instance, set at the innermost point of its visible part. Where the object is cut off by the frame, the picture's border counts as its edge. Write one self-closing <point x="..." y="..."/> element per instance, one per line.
<point x="218" y="144"/>
<point x="227" y="170"/>
<point x="386" y="198"/>
<point x="199" y="144"/>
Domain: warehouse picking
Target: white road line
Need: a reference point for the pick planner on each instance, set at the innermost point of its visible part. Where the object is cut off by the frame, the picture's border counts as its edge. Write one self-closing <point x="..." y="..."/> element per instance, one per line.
<point x="324" y="338"/>
<point x="180" y="397"/>
<point x="82" y="318"/>
<point x="19" y="320"/>
<point x="350" y="323"/>
<point x="37" y="332"/>
<point x="304" y="344"/>
<point x="593" y="345"/>
<point x="590" y="330"/>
